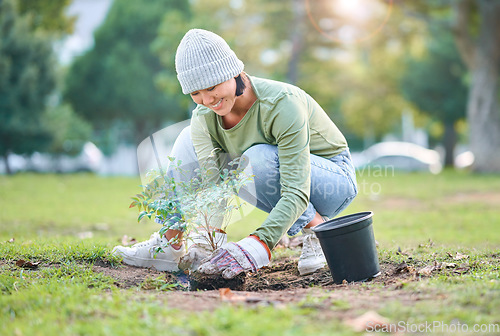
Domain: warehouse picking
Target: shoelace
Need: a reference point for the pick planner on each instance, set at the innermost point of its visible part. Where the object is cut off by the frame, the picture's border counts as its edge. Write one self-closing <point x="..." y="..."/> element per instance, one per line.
<point x="308" y="247"/>
<point x="152" y="241"/>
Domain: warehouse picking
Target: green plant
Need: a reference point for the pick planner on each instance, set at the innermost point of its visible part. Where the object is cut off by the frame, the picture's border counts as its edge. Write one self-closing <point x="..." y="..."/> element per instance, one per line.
<point x="202" y="204"/>
<point x="160" y="283"/>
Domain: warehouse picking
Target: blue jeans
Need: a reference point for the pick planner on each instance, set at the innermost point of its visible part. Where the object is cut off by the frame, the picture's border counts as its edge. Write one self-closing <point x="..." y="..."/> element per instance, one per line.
<point x="333" y="181"/>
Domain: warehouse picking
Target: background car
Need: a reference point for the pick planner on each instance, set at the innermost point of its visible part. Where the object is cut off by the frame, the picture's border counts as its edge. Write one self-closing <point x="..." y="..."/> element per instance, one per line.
<point x="401" y="156"/>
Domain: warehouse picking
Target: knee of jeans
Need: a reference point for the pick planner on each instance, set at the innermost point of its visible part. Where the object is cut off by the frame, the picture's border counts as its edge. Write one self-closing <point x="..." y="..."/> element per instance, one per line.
<point x="262" y="155"/>
<point x="185" y="135"/>
<point x="183" y="150"/>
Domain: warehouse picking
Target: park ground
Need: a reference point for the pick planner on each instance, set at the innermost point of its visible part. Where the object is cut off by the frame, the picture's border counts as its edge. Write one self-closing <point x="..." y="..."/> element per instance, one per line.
<point x="438" y="243"/>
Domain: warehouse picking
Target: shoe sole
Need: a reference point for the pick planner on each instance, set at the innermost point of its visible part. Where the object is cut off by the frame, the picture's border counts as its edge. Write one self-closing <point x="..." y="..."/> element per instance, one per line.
<point x="305" y="270"/>
<point x="159" y="265"/>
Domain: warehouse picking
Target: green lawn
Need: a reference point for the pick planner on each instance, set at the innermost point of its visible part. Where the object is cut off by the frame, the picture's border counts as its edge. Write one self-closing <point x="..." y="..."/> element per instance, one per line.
<point x="75" y="220"/>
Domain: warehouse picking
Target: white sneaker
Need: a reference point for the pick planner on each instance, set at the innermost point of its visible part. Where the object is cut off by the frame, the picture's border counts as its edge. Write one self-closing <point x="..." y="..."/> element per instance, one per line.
<point x="312" y="257"/>
<point x="143" y="254"/>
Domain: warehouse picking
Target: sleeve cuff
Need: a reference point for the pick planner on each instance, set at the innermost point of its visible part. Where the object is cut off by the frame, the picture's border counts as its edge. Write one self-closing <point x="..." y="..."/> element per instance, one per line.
<point x="257" y="249"/>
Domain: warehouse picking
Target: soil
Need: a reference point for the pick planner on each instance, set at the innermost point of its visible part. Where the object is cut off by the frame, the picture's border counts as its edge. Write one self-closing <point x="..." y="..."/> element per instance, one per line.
<point x="280" y="275"/>
<point x="199" y="281"/>
<point x="277" y="285"/>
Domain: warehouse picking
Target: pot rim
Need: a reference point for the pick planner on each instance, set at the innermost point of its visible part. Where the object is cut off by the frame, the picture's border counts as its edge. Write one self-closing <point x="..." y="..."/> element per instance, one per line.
<point x="327" y="226"/>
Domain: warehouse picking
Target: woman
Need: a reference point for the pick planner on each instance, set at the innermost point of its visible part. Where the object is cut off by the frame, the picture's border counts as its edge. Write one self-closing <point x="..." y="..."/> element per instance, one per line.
<point x="301" y="163"/>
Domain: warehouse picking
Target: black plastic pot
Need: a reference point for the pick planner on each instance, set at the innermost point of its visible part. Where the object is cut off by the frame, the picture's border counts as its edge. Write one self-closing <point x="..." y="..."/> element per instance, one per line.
<point x="349" y="247"/>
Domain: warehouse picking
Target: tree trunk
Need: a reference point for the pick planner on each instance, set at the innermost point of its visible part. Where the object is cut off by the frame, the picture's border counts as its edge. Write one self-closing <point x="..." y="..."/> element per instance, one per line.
<point x="449" y="141"/>
<point x="6" y="160"/>
<point x="483" y="111"/>
<point x="483" y="60"/>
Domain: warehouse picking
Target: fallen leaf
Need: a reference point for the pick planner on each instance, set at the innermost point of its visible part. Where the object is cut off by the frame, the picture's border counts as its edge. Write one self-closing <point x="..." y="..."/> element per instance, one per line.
<point x="429" y="244"/>
<point x="369" y="320"/>
<point x="27" y="264"/>
<point x="461" y="270"/>
<point x="403" y="267"/>
<point x="447" y="265"/>
<point x="427" y="270"/>
<point x="460" y="256"/>
<point x="225" y="293"/>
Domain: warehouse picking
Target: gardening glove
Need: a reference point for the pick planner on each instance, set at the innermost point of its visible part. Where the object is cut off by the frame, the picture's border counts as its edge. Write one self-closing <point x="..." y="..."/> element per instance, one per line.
<point x="249" y="254"/>
<point x="199" y="248"/>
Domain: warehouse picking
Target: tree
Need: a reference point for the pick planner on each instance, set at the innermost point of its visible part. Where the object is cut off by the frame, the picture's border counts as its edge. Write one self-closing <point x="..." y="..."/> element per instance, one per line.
<point x="475" y="25"/>
<point x="345" y="74"/>
<point x="69" y="131"/>
<point x="435" y="85"/>
<point x="115" y="81"/>
<point x="48" y="15"/>
<point x="482" y="56"/>
<point x="27" y="78"/>
<point x="367" y="82"/>
<point x="285" y="45"/>
<point x="281" y="44"/>
<point x="230" y="19"/>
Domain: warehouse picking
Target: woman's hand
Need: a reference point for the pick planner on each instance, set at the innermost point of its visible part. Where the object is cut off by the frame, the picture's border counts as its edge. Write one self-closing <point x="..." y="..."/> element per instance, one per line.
<point x="249" y="254"/>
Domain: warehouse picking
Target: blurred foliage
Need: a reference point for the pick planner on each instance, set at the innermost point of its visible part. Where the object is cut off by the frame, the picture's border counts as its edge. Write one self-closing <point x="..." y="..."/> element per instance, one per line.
<point x="48" y="15"/>
<point x="69" y="131"/>
<point x="173" y="26"/>
<point x="352" y="65"/>
<point x="444" y="98"/>
<point x="281" y="45"/>
<point x="372" y="104"/>
<point x="27" y="78"/>
<point x="345" y="78"/>
<point x="114" y="81"/>
<point x="475" y="26"/>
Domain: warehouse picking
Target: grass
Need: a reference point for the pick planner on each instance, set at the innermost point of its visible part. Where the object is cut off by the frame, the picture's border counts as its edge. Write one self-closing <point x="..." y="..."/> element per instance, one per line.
<point x="428" y="217"/>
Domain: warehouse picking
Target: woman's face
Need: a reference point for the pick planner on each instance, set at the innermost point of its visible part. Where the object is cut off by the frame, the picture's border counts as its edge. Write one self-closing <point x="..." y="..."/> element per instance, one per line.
<point x="219" y="98"/>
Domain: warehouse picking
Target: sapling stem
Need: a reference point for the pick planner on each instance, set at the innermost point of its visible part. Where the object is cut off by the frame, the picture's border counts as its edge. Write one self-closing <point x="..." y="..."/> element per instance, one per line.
<point x="196" y="203"/>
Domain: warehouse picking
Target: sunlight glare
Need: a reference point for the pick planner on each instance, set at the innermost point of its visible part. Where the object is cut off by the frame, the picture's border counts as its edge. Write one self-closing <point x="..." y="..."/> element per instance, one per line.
<point x="357" y="10"/>
<point x="349" y="21"/>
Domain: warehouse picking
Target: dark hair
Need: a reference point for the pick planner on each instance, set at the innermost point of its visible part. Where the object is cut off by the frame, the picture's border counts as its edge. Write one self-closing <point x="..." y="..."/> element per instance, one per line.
<point x="240" y="85"/>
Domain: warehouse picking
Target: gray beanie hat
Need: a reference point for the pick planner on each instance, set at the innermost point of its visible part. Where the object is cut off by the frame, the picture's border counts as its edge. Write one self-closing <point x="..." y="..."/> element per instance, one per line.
<point x="203" y="59"/>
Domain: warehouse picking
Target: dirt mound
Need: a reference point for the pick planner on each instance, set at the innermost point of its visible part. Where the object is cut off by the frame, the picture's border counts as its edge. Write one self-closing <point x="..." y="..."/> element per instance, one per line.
<point x="280" y="275"/>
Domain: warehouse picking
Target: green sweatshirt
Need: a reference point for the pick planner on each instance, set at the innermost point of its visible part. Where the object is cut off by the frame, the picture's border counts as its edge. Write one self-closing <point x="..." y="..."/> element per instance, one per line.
<point x="284" y="116"/>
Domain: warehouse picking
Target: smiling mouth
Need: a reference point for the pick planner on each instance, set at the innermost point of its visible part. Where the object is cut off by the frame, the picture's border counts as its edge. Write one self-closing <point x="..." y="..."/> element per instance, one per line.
<point x="218" y="104"/>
